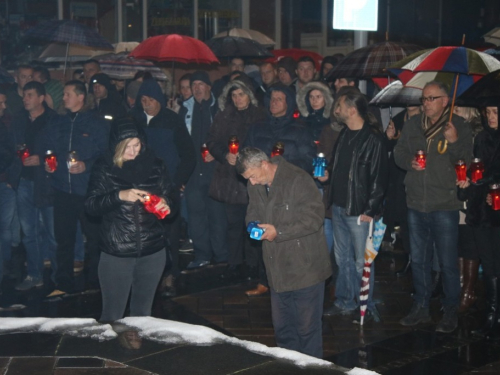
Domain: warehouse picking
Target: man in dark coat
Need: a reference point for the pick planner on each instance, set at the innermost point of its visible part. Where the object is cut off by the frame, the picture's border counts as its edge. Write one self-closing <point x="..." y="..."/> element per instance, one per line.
<point x="34" y="198"/>
<point x="168" y="137"/>
<point x="207" y="217"/>
<point x="288" y="205"/>
<point x="108" y="102"/>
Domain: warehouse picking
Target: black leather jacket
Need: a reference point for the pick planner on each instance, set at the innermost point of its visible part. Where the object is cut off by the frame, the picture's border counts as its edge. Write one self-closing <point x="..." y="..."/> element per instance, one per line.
<point x="127" y="229"/>
<point x="368" y="177"/>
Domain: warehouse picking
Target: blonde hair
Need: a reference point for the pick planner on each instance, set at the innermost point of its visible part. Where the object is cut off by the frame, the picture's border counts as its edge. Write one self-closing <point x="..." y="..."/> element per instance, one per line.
<point x="119" y="150"/>
<point x="469" y="114"/>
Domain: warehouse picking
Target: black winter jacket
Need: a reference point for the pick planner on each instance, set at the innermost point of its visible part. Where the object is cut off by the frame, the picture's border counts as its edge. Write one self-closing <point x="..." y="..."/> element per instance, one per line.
<point x="300" y="148"/>
<point x="369" y="172"/>
<point x="127" y="229"/>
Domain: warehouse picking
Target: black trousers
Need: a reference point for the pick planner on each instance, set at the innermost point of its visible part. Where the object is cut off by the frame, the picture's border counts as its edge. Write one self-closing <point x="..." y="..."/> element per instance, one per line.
<point x="488" y="243"/>
<point x="467" y="247"/>
<point x="68" y="209"/>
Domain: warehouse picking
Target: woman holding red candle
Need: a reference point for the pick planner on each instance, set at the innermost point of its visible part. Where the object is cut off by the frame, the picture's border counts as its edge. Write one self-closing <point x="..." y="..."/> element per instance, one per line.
<point x="238" y="110"/>
<point x="484" y="220"/>
<point x="132" y="239"/>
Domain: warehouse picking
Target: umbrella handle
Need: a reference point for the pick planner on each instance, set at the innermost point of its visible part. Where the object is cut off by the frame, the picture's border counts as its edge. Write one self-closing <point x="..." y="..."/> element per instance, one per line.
<point x="454" y="97"/>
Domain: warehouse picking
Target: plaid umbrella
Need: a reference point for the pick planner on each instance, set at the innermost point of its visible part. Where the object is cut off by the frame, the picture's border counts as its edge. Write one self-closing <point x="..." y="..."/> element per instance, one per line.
<point x="371" y="61"/>
<point x="260" y="38"/>
<point x="68" y="31"/>
<point x="373" y="242"/>
<point x="233" y="46"/>
<point x="120" y="66"/>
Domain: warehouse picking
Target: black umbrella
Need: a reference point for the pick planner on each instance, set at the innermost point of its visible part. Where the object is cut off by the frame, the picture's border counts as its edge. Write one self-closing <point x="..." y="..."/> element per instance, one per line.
<point x="484" y="92"/>
<point x="232" y="46"/>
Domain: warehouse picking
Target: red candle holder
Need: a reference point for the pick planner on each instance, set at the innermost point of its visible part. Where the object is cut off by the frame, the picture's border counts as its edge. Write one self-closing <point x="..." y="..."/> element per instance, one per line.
<point x="476" y="170"/>
<point x="495" y="196"/>
<point x="150" y="206"/>
<point x="23" y="152"/>
<point x="278" y="149"/>
<point x="461" y="170"/>
<point x="234" y="145"/>
<point x="204" y="152"/>
<point x="51" y="160"/>
<point x="421" y="158"/>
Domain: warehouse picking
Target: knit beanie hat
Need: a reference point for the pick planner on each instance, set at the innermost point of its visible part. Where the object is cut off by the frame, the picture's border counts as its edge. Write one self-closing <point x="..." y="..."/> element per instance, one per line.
<point x="200" y="75"/>
<point x="100" y="78"/>
<point x="289" y="65"/>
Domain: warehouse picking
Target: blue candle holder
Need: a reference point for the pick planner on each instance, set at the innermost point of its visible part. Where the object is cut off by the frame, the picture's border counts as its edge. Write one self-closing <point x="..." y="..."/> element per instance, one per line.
<point x="254" y="230"/>
<point x="319" y="164"/>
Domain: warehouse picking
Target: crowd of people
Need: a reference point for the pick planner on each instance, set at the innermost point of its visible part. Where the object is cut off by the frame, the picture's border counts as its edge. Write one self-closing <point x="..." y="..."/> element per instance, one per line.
<point x="104" y="177"/>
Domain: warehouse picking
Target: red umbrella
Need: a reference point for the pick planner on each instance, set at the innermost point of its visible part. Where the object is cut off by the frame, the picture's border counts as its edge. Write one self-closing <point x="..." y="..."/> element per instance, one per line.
<point x="295" y="53"/>
<point x="175" y="48"/>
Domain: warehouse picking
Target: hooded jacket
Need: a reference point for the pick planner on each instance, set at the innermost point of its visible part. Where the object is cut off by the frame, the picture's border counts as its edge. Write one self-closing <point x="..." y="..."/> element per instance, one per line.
<point x="112" y="106"/>
<point x="166" y="134"/>
<point x="487" y="148"/>
<point x="314" y="120"/>
<point x="84" y="132"/>
<point x="227" y="185"/>
<point x="127" y="229"/>
<point x="300" y="148"/>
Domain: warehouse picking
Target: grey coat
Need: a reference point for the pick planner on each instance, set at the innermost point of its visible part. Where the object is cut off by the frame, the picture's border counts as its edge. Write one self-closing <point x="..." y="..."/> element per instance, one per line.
<point x="432" y="189"/>
<point x="298" y="257"/>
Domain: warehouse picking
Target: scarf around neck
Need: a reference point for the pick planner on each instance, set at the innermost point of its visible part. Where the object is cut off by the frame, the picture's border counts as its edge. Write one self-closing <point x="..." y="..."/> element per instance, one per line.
<point x="430" y="131"/>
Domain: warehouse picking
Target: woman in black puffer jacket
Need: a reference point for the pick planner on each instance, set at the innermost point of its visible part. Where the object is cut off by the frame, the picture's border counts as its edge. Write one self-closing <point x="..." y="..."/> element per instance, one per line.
<point x="132" y="239"/>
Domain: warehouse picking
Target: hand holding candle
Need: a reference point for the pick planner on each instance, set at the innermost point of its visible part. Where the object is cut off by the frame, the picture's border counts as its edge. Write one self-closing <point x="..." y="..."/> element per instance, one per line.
<point x="51" y="160"/>
<point x="233" y="145"/>
<point x="461" y="170"/>
<point x="23" y="152"/>
<point x="476" y="170"/>
<point x="421" y="159"/>
<point x="278" y="149"/>
<point x="495" y="196"/>
<point x="156" y="205"/>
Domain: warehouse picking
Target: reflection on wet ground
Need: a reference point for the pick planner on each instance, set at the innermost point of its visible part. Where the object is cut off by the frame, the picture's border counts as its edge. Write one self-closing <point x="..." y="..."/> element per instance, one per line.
<point x="385" y="347"/>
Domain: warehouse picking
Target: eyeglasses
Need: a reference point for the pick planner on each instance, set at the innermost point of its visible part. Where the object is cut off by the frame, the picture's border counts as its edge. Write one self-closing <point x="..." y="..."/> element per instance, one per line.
<point x="430" y="99"/>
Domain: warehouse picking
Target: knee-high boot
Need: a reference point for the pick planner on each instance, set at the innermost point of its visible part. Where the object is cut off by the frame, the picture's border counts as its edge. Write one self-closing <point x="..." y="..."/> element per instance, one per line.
<point x="468" y="296"/>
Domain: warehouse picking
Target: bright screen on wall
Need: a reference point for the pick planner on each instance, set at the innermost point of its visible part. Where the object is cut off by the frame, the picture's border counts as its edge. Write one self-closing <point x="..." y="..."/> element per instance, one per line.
<point x="355" y="15"/>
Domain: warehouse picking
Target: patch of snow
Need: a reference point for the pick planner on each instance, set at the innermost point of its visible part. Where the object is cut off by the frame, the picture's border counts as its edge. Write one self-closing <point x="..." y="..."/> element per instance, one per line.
<point x="361" y="371"/>
<point x="168" y="331"/>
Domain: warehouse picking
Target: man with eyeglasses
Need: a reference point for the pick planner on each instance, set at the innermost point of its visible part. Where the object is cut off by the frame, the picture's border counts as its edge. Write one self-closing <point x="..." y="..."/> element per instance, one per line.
<point x="431" y="196"/>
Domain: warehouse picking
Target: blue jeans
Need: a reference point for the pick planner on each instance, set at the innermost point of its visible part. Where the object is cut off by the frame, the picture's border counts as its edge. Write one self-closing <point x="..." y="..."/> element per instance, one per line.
<point x="297" y="319"/>
<point x="349" y="244"/>
<point x="328" y="228"/>
<point x="439" y="230"/>
<point x="7" y="209"/>
<point x="38" y="228"/>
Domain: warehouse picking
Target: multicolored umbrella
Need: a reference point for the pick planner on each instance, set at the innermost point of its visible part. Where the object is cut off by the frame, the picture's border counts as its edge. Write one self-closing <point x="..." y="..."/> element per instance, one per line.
<point x="295" y="53"/>
<point x="371" y="61"/>
<point x="233" y="46"/>
<point x="373" y="242"/>
<point x="255" y="35"/>
<point x="175" y="48"/>
<point x="120" y="66"/>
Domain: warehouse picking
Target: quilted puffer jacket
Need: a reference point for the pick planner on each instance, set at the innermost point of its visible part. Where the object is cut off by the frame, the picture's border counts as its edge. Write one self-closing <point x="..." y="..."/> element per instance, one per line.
<point x="127" y="229"/>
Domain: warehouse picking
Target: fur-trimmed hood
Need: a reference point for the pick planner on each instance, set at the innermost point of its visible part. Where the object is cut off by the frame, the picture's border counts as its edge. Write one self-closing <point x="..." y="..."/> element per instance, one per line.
<point x="303" y="98"/>
<point x="236" y="84"/>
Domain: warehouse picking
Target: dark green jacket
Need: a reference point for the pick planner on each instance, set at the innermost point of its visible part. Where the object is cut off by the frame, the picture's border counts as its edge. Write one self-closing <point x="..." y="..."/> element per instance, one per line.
<point x="298" y="257"/>
<point x="432" y="189"/>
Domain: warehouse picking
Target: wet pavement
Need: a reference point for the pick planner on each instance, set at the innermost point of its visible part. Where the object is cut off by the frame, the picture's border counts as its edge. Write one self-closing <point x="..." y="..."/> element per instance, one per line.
<point x="385" y="347"/>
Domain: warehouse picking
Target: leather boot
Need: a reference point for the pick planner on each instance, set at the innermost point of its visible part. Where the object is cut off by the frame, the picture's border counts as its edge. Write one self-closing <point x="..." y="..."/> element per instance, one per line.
<point x="437" y="285"/>
<point x="168" y="287"/>
<point x="406" y="268"/>
<point x="461" y="270"/>
<point x="468" y="297"/>
<point x="491" y="284"/>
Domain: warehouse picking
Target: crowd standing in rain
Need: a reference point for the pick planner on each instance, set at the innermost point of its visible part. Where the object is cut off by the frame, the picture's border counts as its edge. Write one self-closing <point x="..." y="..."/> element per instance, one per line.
<point x="115" y="179"/>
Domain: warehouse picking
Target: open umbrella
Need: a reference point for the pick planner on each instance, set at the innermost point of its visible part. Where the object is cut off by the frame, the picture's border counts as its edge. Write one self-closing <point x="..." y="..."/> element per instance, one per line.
<point x="60" y="52"/>
<point x="371" y="61"/>
<point x="69" y="32"/>
<point x="255" y="35"/>
<point x="483" y="93"/>
<point x="233" y="46"/>
<point x="174" y="48"/>
<point x="397" y="95"/>
<point x="493" y="36"/>
<point x="120" y="66"/>
<point x="296" y="53"/>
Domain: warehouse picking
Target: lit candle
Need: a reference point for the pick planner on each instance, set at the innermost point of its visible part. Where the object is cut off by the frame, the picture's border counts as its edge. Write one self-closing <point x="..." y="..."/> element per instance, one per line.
<point x="204" y="151"/>
<point x="476" y="170"/>
<point x="234" y="144"/>
<point x="421" y="158"/>
<point x="461" y="170"/>
<point x="495" y="196"/>
<point x="50" y="160"/>
<point x="278" y="149"/>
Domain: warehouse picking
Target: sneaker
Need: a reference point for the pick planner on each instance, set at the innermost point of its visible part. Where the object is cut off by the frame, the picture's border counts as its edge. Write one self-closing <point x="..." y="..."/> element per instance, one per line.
<point x="78" y="266"/>
<point x="187" y="247"/>
<point x="334" y="310"/>
<point x="195" y="264"/>
<point x="418" y="314"/>
<point x="449" y="322"/>
<point x="30" y="282"/>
